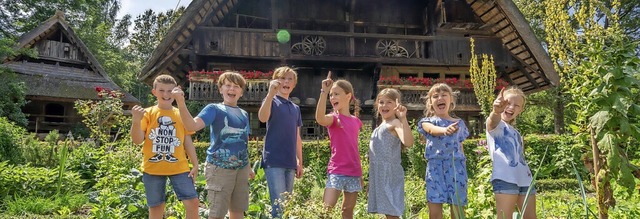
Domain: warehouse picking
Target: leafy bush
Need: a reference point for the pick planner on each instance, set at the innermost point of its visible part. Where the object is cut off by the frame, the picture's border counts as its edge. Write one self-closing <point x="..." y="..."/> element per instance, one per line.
<point x="37" y="153"/>
<point x="12" y="97"/>
<point x="20" y="180"/>
<point x="10" y="139"/>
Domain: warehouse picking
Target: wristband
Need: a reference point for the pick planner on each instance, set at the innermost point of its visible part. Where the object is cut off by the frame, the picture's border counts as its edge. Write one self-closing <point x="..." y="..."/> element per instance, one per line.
<point x="321" y="90"/>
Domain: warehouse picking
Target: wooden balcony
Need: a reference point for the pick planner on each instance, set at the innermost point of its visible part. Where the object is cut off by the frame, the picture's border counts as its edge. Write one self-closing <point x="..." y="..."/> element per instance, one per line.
<point x="336" y="46"/>
<point x="414" y="97"/>
<point x="207" y="90"/>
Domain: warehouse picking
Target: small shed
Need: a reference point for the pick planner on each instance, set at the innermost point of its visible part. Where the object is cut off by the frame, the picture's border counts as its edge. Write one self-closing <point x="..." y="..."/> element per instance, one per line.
<point x="63" y="71"/>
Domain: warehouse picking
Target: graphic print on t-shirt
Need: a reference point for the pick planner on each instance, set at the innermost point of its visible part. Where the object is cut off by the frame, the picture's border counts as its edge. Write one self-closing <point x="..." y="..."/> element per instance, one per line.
<point x="509" y="144"/>
<point x="164" y="141"/>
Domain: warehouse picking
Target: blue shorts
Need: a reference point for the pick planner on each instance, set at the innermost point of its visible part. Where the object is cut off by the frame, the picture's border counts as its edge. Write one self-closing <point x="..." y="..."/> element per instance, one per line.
<point x="155" y="188"/>
<point x="344" y="183"/>
<point x="502" y="187"/>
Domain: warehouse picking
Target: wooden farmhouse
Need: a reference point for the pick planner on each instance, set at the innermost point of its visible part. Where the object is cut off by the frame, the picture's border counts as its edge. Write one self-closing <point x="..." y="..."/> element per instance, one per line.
<point x="374" y="44"/>
<point x="63" y="71"/>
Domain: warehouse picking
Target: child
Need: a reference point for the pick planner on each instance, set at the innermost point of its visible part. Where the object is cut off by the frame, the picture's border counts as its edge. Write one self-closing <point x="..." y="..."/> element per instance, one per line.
<point x="386" y="176"/>
<point x="511" y="177"/>
<point x="282" y="156"/>
<point x="166" y="147"/>
<point x="446" y="176"/>
<point x="226" y="171"/>
<point x="344" y="168"/>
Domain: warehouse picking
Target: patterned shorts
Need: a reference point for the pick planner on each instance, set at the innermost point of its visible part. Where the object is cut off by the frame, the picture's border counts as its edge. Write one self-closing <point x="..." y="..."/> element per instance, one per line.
<point x="446" y="181"/>
<point x="344" y="183"/>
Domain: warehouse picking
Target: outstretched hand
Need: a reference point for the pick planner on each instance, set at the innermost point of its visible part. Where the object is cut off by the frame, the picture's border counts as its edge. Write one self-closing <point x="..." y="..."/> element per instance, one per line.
<point x="326" y="83"/>
<point x="401" y="111"/>
<point x="453" y="128"/>
<point x="500" y="103"/>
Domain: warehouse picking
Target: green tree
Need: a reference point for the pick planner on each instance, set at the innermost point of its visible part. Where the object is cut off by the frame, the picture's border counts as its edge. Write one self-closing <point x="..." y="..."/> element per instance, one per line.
<point x="13" y="91"/>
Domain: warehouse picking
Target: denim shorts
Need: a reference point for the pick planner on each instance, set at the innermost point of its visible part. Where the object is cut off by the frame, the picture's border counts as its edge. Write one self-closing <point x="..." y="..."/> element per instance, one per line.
<point x="155" y="187"/>
<point x="502" y="187"/>
<point x="344" y="183"/>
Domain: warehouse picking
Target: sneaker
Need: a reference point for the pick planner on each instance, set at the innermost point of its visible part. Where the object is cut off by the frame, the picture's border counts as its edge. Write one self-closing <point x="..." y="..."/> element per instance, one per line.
<point x="156" y="158"/>
<point x="170" y="158"/>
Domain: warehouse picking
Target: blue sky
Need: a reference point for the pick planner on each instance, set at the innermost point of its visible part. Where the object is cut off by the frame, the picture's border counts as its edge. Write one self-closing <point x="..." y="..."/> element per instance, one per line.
<point x="136" y="7"/>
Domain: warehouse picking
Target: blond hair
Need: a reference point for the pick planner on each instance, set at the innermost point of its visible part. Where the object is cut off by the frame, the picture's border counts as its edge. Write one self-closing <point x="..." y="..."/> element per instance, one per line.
<point x="518" y="92"/>
<point x="233" y="77"/>
<point x="348" y="89"/>
<point x="390" y="93"/>
<point x="281" y="71"/>
<point x="164" y="79"/>
<point x="436" y="88"/>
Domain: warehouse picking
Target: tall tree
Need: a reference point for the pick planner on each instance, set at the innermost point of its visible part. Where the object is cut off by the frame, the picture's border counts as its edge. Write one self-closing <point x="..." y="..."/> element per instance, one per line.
<point x="597" y="63"/>
<point x="149" y="29"/>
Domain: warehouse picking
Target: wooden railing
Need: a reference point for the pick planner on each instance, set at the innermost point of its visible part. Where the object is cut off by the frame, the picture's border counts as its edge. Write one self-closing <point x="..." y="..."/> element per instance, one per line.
<point x="205" y="90"/>
<point x="414" y="97"/>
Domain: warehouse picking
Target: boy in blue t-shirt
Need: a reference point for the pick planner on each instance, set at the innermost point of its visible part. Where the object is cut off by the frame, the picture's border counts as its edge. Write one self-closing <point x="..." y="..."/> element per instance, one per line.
<point x="226" y="170"/>
<point x="282" y="155"/>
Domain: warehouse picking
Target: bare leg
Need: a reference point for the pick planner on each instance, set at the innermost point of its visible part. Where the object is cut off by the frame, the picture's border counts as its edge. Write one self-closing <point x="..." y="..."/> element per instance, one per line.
<point x="348" y="204"/>
<point x="330" y="198"/>
<point x="392" y="217"/>
<point x="435" y="210"/>
<point x="191" y="208"/>
<point x="236" y="214"/>
<point x="505" y="204"/>
<point x="530" y="212"/>
<point x="156" y="212"/>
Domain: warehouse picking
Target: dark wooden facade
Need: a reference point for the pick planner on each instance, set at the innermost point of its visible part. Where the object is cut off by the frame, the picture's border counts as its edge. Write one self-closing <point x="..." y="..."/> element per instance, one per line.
<point x="63" y="71"/>
<point x="360" y="41"/>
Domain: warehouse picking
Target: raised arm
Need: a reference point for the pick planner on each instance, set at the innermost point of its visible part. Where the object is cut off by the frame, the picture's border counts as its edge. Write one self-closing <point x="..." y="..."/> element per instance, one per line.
<point x="265" y="110"/>
<point x="190" y="123"/>
<point x="402" y="127"/>
<point x="137" y="134"/>
<point x="498" y="107"/>
<point x="321" y="109"/>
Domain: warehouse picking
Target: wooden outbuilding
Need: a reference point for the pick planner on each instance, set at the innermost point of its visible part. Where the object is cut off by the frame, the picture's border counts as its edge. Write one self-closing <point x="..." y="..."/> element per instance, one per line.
<point x="63" y="71"/>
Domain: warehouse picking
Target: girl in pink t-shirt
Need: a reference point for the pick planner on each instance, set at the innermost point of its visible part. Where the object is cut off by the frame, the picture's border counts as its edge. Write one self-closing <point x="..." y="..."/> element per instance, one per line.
<point x="344" y="168"/>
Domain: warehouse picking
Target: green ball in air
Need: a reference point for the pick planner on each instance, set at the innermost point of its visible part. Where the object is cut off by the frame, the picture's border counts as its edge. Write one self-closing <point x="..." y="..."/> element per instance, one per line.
<point x="283" y="36"/>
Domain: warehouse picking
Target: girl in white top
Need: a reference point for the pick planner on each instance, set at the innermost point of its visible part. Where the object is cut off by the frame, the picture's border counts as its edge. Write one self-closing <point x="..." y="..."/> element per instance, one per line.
<point x="511" y="175"/>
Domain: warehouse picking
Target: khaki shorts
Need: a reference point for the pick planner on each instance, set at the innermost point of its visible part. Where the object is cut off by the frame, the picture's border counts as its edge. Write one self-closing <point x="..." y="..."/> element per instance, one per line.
<point x="227" y="189"/>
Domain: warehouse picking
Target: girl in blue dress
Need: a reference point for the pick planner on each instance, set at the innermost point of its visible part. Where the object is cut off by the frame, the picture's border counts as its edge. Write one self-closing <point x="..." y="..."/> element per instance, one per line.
<point x="446" y="176"/>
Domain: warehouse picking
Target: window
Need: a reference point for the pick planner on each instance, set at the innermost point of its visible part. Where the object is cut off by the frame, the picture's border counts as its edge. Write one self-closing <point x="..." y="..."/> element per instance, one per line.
<point x="54" y="113"/>
<point x="431" y="75"/>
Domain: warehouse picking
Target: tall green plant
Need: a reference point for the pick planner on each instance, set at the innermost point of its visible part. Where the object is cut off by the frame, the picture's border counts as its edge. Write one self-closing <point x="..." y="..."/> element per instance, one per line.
<point x="483" y="79"/>
<point x="597" y="63"/>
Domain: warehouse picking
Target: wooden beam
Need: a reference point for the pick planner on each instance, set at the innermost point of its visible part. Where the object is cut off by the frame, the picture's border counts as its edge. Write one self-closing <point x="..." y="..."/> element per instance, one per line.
<point x="526" y="74"/>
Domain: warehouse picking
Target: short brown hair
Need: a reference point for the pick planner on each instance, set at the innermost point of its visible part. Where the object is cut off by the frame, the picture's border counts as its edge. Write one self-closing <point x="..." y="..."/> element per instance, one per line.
<point x="164" y="79"/>
<point x="281" y="71"/>
<point x="233" y="77"/>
